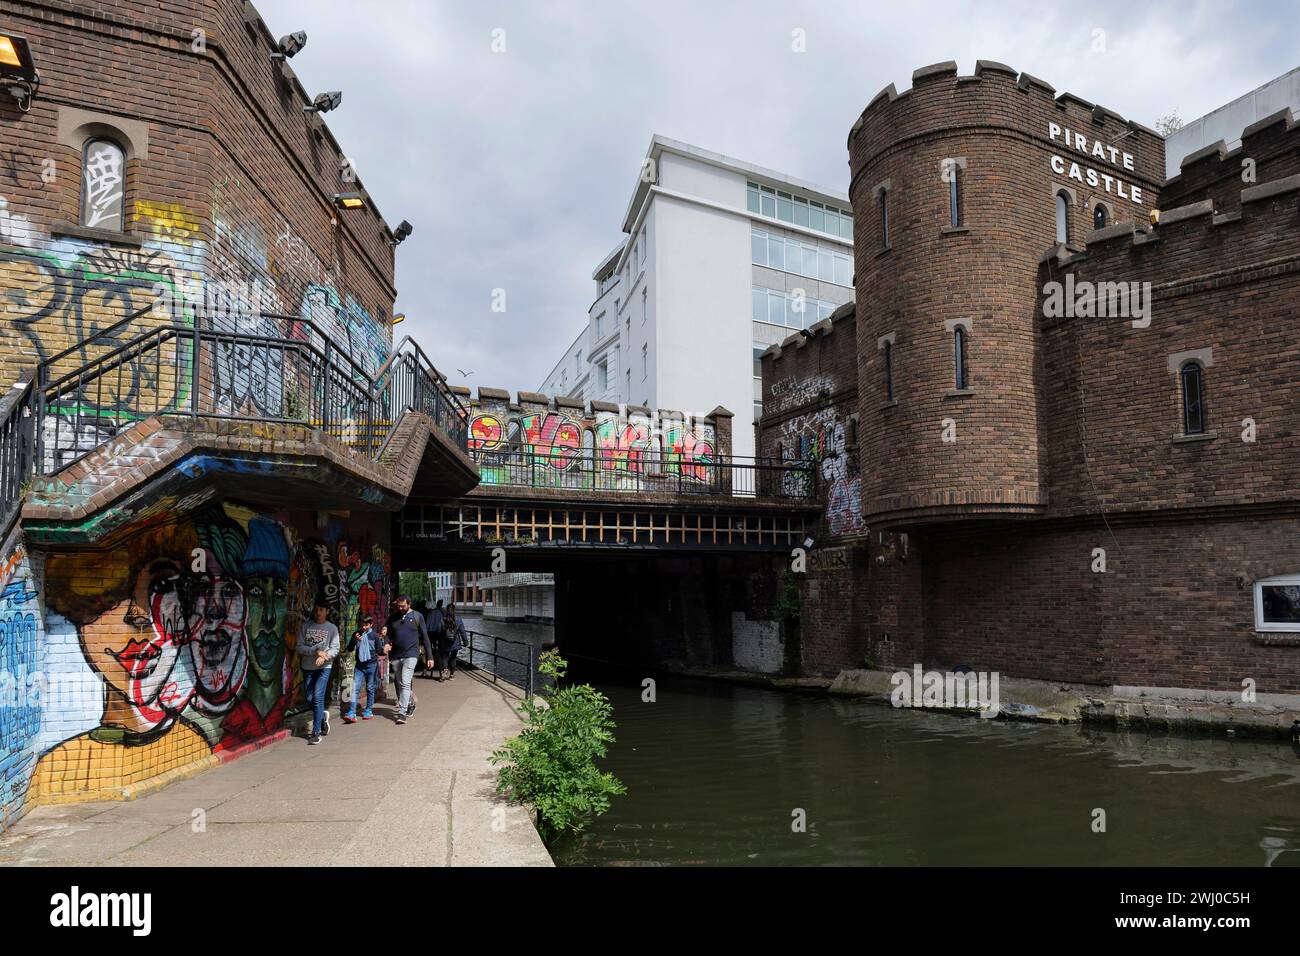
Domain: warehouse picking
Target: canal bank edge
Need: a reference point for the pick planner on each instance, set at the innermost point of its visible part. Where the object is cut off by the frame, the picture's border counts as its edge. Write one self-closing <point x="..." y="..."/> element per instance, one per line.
<point x="1158" y="708"/>
<point x="1163" y="709"/>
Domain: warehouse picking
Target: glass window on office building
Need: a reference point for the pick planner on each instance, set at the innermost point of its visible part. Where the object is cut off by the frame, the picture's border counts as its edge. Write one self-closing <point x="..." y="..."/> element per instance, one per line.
<point x="798" y="210"/>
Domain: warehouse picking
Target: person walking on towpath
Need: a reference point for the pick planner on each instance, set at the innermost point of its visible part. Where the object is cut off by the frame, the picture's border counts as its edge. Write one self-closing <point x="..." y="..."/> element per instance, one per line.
<point x="451" y="641"/>
<point x="368" y="644"/>
<point x="433" y="622"/>
<point x="318" y="647"/>
<point x="407" y="635"/>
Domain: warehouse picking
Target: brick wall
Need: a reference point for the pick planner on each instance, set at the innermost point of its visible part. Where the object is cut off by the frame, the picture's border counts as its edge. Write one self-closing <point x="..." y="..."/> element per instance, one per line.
<point x="1269" y="151"/>
<point x="1174" y="607"/>
<point x="810" y="414"/>
<point x="1225" y="290"/>
<point x="997" y="130"/>
<point x="226" y="198"/>
<point x="1071" y="424"/>
<point x="227" y="194"/>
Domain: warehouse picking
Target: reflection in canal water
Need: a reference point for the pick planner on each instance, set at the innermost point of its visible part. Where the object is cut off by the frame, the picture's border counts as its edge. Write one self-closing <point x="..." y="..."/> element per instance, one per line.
<point x="714" y="773"/>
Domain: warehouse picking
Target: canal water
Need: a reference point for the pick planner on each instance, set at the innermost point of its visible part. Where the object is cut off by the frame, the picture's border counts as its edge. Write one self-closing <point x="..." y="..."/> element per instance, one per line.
<point x="720" y="774"/>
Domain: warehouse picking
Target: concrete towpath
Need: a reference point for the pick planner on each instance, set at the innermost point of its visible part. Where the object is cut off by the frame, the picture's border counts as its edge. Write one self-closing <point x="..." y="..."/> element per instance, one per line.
<point x="372" y="793"/>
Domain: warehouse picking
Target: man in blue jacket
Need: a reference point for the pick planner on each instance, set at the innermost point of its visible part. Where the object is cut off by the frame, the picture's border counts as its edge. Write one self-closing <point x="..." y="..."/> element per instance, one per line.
<point x="406" y="636"/>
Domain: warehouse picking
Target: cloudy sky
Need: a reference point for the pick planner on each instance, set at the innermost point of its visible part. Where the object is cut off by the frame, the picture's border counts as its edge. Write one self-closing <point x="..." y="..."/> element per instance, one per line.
<point x="515" y="167"/>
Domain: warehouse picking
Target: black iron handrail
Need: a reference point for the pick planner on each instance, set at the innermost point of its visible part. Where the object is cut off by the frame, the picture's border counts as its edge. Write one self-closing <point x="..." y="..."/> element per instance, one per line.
<point x="423" y="388"/>
<point x="529" y="663"/>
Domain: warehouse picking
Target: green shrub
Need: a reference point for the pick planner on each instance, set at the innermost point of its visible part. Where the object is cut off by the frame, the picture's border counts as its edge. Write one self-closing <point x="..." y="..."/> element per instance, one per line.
<point x="551" y="765"/>
<point x="788" y="603"/>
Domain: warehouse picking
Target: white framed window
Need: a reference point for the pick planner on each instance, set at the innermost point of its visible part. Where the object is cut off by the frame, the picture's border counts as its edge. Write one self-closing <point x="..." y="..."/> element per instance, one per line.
<point x="602" y="377"/>
<point x="645" y="304"/>
<point x="645" y="361"/>
<point x="1277" y="603"/>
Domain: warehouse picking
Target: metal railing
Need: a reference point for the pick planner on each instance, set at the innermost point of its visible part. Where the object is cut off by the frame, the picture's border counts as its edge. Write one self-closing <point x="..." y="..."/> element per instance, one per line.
<point x="297" y="377"/>
<point x="636" y="472"/>
<point x="517" y="670"/>
<point x="412" y="381"/>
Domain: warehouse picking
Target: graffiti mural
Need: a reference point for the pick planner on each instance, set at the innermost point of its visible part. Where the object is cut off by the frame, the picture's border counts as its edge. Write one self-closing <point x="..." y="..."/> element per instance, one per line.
<point x="188" y="628"/>
<point x="821" y="438"/>
<point x="21" y="639"/>
<point x="60" y="293"/>
<point x="556" y="449"/>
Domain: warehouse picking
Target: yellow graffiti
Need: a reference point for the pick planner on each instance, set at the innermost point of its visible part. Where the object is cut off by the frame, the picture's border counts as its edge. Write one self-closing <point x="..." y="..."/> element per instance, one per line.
<point x="167" y="220"/>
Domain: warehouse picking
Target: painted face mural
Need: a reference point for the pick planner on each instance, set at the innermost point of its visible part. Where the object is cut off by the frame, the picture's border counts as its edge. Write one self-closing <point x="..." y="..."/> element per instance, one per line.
<point x="218" y="645"/>
<point x="187" y="627"/>
<point x="265" y="570"/>
<point x="138" y="646"/>
<point x="268" y="602"/>
<point x="160" y="674"/>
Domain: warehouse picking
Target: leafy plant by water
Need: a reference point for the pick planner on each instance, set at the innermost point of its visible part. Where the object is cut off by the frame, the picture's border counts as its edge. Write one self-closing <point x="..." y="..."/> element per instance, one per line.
<point x="551" y="765"/>
<point x="788" y="605"/>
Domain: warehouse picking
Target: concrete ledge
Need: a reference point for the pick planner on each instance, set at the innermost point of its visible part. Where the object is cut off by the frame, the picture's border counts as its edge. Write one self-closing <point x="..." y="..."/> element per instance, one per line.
<point x="1282" y="116"/>
<point x="1214" y="150"/>
<point x="993" y="66"/>
<point x="1168" y="709"/>
<point x="946" y="68"/>
<point x="1025" y="81"/>
<point x="1268" y="190"/>
<point x="1203" y="208"/>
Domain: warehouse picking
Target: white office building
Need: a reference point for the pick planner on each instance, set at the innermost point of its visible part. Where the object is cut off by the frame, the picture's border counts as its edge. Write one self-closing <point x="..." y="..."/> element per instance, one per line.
<point x="719" y="259"/>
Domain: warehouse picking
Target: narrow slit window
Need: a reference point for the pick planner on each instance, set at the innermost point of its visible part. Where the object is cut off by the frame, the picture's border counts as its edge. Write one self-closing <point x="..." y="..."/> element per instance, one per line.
<point x="1062" y="219"/>
<point x="959" y="356"/>
<point x="954" y="194"/>
<point x="884" y="218"/>
<point x="889" y="371"/>
<point x="1192" y="377"/>
<point x="1099" y="217"/>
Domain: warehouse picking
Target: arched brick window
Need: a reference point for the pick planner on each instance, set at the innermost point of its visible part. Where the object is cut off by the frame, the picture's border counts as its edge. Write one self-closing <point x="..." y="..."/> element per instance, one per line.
<point x="103" y="185"/>
<point x="1062" y="218"/>
<point x="1099" y="217"/>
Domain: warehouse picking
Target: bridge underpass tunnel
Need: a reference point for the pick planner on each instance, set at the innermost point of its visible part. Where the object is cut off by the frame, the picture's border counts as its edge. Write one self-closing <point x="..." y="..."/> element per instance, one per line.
<point x="700" y="613"/>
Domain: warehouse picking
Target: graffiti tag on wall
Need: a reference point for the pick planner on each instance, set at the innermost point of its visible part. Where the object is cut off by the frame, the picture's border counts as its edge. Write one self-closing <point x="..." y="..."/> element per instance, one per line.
<point x="821" y="438"/>
<point x="20" y="686"/>
<point x="550" y="449"/>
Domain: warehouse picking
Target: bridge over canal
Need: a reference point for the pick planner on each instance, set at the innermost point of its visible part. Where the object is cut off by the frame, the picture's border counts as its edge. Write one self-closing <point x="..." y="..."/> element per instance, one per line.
<point x="560" y="478"/>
